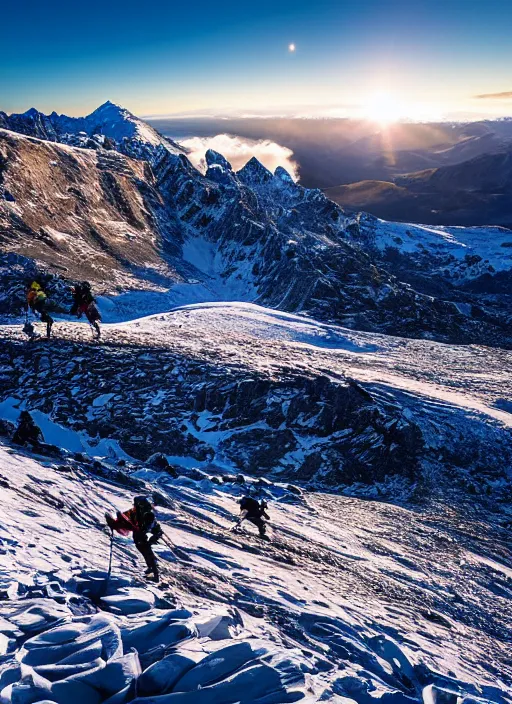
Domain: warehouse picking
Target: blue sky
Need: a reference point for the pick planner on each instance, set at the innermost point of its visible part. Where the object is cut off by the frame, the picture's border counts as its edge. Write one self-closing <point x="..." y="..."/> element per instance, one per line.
<point x="232" y="57"/>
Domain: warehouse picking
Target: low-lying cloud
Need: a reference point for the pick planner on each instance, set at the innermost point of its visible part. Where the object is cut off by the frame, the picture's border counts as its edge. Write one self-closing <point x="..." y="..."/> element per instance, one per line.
<point x="238" y="151"/>
<point x="506" y="95"/>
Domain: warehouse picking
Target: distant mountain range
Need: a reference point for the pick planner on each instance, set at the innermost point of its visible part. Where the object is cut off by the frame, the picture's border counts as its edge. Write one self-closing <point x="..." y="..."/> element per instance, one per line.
<point x="394" y="172"/>
<point x="107" y="198"/>
<point x="474" y="192"/>
<point x="331" y="152"/>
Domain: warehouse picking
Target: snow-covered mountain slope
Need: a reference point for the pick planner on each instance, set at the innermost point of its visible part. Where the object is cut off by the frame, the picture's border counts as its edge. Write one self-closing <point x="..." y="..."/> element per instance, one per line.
<point x="123" y="130"/>
<point x="250" y="235"/>
<point x="466" y="252"/>
<point x="351" y="601"/>
<point x="295" y="249"/>
<point x="85" y="214"/>
<point x="241" y="388"/>
<point x="470" y="266"/>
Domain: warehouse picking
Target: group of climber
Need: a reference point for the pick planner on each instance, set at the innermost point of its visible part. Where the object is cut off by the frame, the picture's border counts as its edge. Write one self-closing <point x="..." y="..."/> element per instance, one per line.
<point x="140" y="518"/>
<point x="84" y="303"/>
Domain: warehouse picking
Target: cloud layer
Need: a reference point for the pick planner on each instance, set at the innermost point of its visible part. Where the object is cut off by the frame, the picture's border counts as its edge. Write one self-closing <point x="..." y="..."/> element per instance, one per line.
<point x="507" y="95"/>
<point x="238" y="151"/>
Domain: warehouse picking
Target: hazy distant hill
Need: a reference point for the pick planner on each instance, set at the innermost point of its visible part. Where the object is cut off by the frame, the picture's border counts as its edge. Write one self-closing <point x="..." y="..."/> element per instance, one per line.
<point x="475" y="192"/>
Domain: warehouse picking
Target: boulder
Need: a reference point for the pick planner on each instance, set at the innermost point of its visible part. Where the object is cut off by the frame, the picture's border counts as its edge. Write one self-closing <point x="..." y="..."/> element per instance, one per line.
<point x="161" y="677"/>
<point x="164" y="632"/>
<point x="129" y="601"/>
<point x="217" y="666"/>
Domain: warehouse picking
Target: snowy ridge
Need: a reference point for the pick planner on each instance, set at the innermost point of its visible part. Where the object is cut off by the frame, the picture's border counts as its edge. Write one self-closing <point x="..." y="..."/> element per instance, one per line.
<point x="130" y="134"/>
<point x="257" y="390"/>
<point x="467" y="251"/>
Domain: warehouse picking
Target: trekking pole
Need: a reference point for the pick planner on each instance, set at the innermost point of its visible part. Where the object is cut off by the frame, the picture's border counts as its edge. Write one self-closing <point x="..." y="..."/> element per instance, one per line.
<point x="237" y="525"/>
<point x="109" y="573"/>
<point x="175" y="549"/>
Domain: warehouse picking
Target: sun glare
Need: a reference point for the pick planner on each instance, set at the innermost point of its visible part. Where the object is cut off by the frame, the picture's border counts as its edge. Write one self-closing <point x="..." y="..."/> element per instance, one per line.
<point x="384" y="108"/>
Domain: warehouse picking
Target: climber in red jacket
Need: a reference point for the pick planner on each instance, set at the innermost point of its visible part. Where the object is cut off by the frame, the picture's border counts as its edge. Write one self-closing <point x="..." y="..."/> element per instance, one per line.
<point x="140" y="520"/>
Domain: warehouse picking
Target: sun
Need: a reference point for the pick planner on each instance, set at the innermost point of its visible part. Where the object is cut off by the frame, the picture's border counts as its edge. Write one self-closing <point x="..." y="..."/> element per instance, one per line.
<point x="383" y="108"/>
<point x="291" y="48"/>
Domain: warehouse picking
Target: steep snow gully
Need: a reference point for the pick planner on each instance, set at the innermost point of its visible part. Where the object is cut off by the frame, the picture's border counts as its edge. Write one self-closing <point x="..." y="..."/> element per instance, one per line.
<point x="354" y="599"/>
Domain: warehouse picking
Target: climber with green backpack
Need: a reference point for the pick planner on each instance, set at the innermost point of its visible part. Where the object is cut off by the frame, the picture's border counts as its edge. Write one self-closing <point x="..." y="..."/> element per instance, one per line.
<point x="37" y="302"/>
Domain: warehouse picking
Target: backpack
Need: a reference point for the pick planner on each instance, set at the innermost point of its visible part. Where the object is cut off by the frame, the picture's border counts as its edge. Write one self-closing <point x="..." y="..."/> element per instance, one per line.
<point x="86" y="292"/>
<point x="145" y="515"/>
<point x="250" y="505"/>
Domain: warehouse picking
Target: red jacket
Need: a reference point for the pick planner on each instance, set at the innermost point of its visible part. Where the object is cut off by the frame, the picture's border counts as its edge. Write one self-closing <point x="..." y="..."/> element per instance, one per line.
<point x="125" y="523"/>
<point x="131" y="522"/>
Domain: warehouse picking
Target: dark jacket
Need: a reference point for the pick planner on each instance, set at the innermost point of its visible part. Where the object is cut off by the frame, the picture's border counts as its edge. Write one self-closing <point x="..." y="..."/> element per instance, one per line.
<point x="82" y="300"/>
<point x="253" y="508"/>
<point x="28" y="432"/>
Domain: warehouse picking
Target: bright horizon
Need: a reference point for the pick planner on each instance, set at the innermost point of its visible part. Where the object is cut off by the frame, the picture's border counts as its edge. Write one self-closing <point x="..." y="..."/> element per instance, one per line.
<point x="448" y="60"/>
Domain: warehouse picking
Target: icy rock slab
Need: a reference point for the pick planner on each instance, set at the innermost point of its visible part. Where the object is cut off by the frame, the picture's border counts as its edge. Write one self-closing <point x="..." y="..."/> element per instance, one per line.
<point x="8" y="676"/>
<point x="9" y="629"/>
<point x="114" y="677"/>
<point x="92" y="584"/>
<point x="438" y="695"/>
<point x="55" y="673"/>
<point x="390" y="651"/>
<point x="220" y="626"/>
<point x="30" y="688"/>
<point x="32" y="616"/>
<point x="97" y="631"/>
<point x="70" y="692"/>
<point x="162" y="676"/>
<point x="169" y="629"/>
<point x="218" y="665"/>
<point x="258" y="683"/>
<point x="290" y="665"/>
<point x="5" y="644"/>
<point x="129" y="601"/>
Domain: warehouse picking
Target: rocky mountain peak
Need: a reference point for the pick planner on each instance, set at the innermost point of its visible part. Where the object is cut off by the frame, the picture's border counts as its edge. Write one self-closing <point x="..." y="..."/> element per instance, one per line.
<point x="111" y="110"/>
<point x="282" y="174"/>
<point x="32" y="112"/>
<point x="214" y="158"/>
<point x="254" y="173"/>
